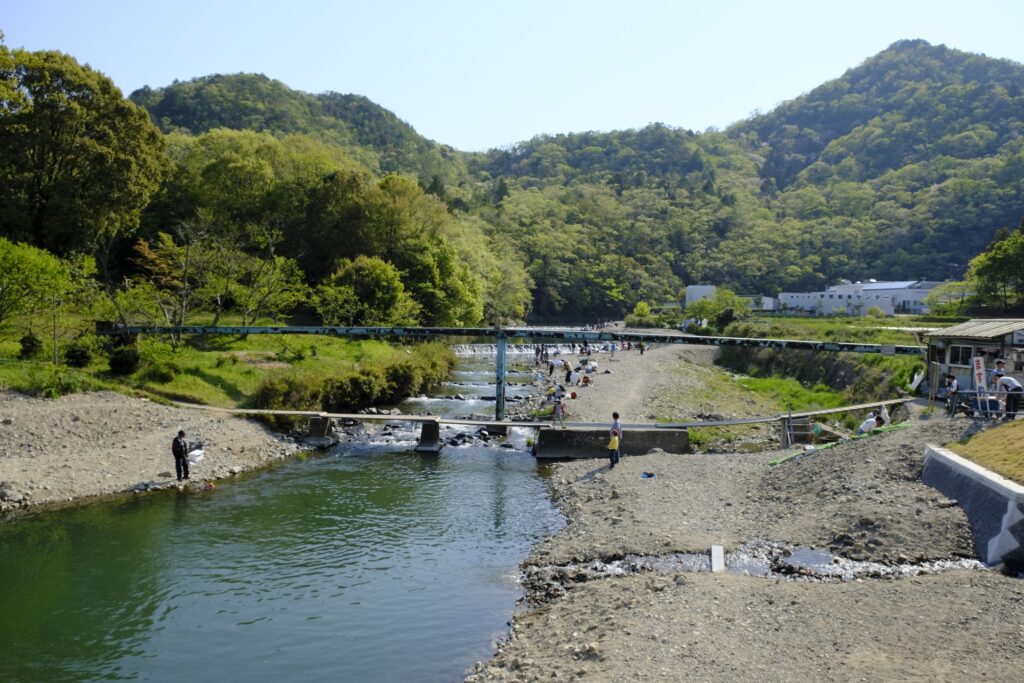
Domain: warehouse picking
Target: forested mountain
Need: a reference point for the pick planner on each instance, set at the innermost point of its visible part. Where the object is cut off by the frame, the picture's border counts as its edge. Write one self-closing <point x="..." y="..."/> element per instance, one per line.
<point x="367" y="131"/>
<point x="905" y="167"/>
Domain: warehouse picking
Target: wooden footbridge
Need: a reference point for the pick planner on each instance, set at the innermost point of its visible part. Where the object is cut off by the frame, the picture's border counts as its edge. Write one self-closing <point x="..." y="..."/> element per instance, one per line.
<point x="502" y="336"/>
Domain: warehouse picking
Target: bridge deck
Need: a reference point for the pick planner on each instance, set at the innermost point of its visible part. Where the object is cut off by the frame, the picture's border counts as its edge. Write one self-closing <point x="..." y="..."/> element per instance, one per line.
<point x="361" y="417"/>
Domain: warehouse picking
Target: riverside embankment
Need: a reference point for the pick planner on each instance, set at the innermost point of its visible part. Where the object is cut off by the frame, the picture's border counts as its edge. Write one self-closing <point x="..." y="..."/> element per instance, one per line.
<point x="83" y="446"/>
<point x="946" y="619"/>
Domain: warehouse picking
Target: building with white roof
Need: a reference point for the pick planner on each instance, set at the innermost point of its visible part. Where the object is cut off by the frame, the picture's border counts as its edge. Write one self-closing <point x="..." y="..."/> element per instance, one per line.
<point x="857" y="298"/>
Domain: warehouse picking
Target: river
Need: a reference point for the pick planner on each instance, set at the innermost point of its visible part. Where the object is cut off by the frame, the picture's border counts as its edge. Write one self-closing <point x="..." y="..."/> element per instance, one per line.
<point x="368" y="563"/>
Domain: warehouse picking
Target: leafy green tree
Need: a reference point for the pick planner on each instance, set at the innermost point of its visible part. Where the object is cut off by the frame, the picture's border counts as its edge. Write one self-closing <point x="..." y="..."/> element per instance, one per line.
<point x="999" y="272"/>
<point x="29" y="278"/>
<point x="77" y="160"/>
<point x="950" y="298"/>
<point x="365" y="291"/>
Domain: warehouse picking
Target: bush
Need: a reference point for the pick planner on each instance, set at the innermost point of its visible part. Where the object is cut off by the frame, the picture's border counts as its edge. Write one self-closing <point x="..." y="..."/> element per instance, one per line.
<point x="161" y="371"/>
<point x="292" y="391"/>
<point x="875" y="312"/>
<point x="403" y="379"/>
<point x="79" y="353"/>
<point x="31" y="345"/>
<point x="124" y="360"/>
<point x="60" y="382"/>
<point x="355" y="390"/>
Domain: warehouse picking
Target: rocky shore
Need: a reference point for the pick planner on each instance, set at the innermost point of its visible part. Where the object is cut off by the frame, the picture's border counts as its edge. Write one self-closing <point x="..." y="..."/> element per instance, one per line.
<point x="614" y="595"/>
<point x="85" y="446"/>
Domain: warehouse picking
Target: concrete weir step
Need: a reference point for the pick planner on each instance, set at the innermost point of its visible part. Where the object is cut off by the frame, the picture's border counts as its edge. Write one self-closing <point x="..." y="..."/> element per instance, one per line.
<point x="555" y="443"/>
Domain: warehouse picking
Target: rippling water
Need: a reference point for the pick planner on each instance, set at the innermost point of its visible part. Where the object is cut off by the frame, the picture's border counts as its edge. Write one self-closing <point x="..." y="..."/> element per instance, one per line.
<point x="372" y="564"/>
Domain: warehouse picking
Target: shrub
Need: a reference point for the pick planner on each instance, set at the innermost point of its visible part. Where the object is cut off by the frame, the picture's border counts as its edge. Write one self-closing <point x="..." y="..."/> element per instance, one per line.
<point x="124" y="360"/>
<point x="404" y="378"/>
<point x="291" y="391"/>
<point x="60" y="382"/>
<point x="355" y="390"/>
<point x="79" y="353"/>
<point x="31" y="345"/>
<point x="876" y="312"/>
<point x="161" y="371"/>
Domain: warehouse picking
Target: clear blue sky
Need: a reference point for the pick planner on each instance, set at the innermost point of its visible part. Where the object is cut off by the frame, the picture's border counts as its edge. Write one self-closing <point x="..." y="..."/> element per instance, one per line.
<point x="480" y="74"/>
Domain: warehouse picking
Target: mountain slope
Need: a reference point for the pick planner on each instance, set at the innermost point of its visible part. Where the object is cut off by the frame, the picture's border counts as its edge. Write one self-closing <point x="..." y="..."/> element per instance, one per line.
<point x="910" y="103"/>
<point x="366" y="130"/>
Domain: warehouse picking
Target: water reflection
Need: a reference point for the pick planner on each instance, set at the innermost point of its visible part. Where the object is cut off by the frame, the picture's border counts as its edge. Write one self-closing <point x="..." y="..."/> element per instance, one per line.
<point x="371" y="563"/>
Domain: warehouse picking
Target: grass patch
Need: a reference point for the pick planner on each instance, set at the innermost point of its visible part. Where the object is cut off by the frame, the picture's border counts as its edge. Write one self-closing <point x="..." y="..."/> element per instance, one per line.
<point x="224" y="370"/>
<point x="1000" y="449"/>
<point x="792" y="395"/>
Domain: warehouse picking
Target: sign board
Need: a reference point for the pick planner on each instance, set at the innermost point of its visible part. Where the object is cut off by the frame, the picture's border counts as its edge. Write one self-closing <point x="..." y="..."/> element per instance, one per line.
<point x="888" y="350"/>
<point x="1018" y="337"/>
<point x="978" y="368"/>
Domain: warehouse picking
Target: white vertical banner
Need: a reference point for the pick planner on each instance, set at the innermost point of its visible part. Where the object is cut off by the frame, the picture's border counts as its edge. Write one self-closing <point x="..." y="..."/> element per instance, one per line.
<point x="979" y="373"/>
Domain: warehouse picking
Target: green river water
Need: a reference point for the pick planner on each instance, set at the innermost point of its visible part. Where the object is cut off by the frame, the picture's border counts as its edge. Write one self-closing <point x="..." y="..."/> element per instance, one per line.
<point x="367" y="564"/>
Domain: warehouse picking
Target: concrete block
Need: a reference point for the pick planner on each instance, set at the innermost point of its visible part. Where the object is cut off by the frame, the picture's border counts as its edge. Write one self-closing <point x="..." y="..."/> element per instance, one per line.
<point x="993" y="504"/>
<point x="717" y="559"/>
<point x="554" y="443"/>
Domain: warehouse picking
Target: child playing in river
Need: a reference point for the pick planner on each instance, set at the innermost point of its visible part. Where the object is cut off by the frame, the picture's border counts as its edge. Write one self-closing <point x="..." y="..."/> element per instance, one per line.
<point x="613" y="449"/>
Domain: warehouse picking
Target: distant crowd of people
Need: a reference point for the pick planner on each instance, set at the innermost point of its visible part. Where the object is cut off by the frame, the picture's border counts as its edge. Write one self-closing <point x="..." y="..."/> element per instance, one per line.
<point x="578" y="366"/>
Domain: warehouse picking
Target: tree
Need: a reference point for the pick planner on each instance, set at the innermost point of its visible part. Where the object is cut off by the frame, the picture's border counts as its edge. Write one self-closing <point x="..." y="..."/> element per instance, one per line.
<point x="950" y="298"/>
<point x="365" y="291"/>
<point x="77" y="160"/>
<point x="999" y="272"/>
<point x="172" y="268"/>
<point x="29" y="278"/>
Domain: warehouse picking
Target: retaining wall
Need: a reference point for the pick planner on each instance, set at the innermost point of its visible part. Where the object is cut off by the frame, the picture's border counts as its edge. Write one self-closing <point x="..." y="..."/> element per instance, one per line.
<point x="559" y="444"/>
<point x="993" y="504"/>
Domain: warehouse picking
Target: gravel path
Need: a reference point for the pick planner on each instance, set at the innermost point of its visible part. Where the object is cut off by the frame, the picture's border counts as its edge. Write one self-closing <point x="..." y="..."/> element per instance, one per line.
<point x="862" y="500"/>
<point x="87" y="445"/>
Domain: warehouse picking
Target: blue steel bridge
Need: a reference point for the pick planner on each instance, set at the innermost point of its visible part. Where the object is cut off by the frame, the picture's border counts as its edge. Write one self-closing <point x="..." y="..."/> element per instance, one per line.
<point x="502" y="336"/>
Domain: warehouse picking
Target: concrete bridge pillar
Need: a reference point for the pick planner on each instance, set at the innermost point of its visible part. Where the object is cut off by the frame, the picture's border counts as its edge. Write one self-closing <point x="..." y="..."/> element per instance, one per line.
<point x="430" y="437"/>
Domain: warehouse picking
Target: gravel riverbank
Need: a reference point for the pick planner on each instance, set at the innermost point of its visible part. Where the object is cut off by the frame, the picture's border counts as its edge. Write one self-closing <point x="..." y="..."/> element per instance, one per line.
<point x="83" y="446"/>
<point x="863" y="501"/>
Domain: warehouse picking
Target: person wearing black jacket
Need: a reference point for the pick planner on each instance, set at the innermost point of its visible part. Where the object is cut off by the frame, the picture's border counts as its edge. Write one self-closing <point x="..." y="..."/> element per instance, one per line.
<point x="179" y="447"/>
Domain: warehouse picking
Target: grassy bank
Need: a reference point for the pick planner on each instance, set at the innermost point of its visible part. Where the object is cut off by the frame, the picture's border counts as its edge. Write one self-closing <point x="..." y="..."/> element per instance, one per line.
<point x="856" y="377"/>
<point x="1000" y="449"/>
<point x="297" y="372"/>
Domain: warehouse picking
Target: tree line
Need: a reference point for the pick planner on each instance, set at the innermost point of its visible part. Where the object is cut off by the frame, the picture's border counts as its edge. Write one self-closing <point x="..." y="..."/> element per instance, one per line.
<point x="237" y="195"/>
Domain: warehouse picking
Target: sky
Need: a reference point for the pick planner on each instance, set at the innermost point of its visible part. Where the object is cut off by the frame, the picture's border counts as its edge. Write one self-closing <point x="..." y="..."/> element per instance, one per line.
<point x="484" y="74"/>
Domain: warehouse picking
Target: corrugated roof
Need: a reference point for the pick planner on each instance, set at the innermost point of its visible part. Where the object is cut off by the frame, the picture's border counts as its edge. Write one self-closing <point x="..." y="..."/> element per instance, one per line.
<point x="981" y="329"/>
<point x="889" y="285"/>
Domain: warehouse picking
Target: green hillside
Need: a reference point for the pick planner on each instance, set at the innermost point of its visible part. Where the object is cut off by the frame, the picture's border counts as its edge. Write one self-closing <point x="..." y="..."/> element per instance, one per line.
<point x="905" y="167"/>
<point x="367" y="131"/>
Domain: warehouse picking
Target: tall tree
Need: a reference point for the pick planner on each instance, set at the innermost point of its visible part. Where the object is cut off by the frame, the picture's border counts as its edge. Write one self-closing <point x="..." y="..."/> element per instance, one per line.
<point x="77" y="160"/>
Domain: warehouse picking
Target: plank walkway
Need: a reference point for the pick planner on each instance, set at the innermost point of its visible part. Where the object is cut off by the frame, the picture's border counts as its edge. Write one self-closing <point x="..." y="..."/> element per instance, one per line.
<point x="358" y="417"/>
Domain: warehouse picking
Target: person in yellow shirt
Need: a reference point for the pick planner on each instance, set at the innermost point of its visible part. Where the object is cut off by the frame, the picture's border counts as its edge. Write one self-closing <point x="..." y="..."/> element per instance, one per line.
<point x="613" y="449"/>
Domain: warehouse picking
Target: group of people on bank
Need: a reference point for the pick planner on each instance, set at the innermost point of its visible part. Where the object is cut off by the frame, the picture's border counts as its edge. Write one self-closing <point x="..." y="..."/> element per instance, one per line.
<point x="1005" y="389"/>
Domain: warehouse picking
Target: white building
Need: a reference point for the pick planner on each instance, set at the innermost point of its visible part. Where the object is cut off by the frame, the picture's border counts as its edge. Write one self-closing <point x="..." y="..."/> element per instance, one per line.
<point x="759" y="302"/>
<point x="695" y="293"/>
<point x="856" y="298"/>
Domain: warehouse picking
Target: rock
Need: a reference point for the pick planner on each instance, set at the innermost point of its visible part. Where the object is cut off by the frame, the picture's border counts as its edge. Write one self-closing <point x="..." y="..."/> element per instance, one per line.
<point x="655" y="451"/>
